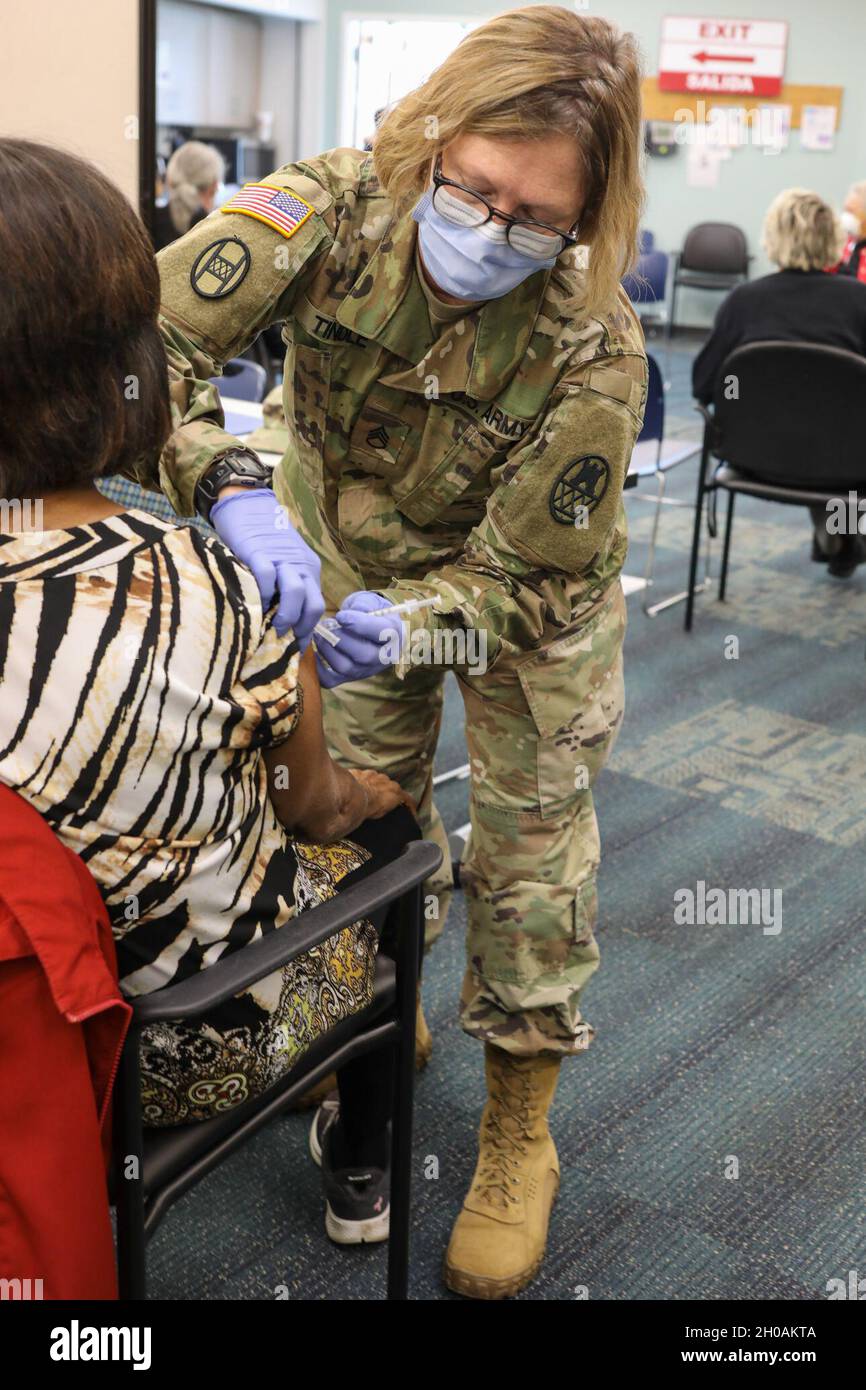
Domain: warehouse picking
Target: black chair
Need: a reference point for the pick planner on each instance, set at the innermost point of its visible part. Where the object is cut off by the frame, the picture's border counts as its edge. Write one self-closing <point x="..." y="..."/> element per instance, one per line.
<point x="714" y="257"/>
<point x="795" y="433"/>
<point x="169" y="1161"/>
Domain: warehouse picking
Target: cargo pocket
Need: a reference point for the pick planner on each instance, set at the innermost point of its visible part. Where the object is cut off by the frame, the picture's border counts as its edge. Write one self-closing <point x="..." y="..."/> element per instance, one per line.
<point x="574" y="689"/>
<point x="453" y="455"/>
<point x="375" y="536"/>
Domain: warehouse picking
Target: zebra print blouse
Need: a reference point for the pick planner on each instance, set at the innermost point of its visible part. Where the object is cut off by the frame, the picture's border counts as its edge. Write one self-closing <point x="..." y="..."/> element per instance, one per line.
<point x="139" y="682"/>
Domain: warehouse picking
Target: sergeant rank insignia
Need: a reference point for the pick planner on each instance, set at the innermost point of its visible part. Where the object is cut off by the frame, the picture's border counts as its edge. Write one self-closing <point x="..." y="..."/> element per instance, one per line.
<point x="579" y="488"/>
<point x="276" y="207"/>
<point x="220" y="268"/>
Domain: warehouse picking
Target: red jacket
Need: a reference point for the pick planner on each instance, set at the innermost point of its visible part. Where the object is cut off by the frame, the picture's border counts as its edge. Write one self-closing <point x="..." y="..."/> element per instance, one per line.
<point x="853" y="259"/>
<point x="62" y="1025"/>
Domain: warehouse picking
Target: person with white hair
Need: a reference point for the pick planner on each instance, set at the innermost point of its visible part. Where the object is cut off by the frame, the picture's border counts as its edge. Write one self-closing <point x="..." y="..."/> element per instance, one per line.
<point x="798" y="303"/>
<point x="195" y="172"/>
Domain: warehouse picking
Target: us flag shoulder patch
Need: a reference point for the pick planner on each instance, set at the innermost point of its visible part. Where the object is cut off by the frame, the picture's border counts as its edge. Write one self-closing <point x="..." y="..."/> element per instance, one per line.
<point x="276" y="207"/>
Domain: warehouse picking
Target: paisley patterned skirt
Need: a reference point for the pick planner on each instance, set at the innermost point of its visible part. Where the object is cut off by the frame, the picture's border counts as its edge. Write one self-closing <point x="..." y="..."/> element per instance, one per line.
<point x="196" y="1071"/>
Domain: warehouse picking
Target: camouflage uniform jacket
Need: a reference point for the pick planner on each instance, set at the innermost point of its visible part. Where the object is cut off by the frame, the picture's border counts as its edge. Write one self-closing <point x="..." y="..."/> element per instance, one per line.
<point x="483" y="461"/>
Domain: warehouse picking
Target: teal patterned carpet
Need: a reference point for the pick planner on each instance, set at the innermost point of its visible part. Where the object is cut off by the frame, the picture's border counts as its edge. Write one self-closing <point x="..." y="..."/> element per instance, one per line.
<point x="711" y="1140"/>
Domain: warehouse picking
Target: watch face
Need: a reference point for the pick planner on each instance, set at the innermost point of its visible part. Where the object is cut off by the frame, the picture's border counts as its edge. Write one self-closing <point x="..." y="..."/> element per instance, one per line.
<point x="244" y="470"/>
<point x="245" y="464"/>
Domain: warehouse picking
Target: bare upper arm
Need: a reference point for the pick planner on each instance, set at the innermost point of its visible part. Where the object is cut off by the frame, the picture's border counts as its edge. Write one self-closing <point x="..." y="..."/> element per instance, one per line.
<point x="302" y="777"/>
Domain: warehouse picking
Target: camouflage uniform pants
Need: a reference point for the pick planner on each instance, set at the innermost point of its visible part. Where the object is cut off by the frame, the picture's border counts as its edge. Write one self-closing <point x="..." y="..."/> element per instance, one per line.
<point x="538" y="732"/>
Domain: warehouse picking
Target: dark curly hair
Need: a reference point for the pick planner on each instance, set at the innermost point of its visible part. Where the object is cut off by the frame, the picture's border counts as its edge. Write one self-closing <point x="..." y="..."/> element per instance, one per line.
<point x="83" y="373"/>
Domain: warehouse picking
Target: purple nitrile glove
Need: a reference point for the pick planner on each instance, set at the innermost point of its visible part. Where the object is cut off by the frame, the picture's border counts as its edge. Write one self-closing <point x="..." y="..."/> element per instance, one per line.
<point x="254" y="527"/>
<point x="366" y="645"/>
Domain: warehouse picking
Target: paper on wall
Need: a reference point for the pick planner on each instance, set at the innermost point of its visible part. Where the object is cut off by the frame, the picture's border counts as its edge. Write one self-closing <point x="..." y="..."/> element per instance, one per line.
<point x="702" y="167"/>
<point x="817" y="127"/>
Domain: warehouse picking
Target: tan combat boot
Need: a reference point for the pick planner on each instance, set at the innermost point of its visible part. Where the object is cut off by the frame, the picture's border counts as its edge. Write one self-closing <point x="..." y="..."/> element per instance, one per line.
<point x="498" y="1241"/>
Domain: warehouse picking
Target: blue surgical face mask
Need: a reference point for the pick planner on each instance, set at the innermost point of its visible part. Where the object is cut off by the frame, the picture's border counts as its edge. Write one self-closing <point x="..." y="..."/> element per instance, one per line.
<point x="469" y="261"/>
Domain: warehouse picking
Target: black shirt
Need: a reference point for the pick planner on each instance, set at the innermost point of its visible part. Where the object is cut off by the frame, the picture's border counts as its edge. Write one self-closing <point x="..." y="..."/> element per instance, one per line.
<point x="164" y="230"/>
<point x="795" y="306"/>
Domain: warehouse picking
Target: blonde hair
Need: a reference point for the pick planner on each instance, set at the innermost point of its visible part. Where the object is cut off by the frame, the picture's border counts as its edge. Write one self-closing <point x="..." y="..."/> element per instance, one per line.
<point x="802" y="232"/>
<point x="192" y="169"/>
<point x="523" y="75"/>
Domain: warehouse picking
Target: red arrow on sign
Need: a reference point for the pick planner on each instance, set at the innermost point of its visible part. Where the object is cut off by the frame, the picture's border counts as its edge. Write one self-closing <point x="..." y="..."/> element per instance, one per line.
<point x="723" y="58"/>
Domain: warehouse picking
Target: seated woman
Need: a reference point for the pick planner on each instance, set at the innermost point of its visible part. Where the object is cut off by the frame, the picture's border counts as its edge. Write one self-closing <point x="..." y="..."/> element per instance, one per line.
<point x="799" y="303"/>
<point x="195" y="172"/>
<point x="148" y="709"/>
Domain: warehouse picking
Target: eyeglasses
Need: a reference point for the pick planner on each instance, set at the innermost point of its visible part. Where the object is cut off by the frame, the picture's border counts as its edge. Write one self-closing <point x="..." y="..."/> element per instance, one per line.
<point x="467" y="208"/>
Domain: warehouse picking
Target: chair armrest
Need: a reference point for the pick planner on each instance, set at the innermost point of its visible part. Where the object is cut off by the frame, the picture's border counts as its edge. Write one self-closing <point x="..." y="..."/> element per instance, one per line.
<point x="218" y="983"/>
<point x="710" y="429"/>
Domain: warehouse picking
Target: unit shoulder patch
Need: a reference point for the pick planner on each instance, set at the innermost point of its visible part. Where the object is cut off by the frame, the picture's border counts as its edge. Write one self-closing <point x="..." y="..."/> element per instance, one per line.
<point x="582" y="484"/>
<point x="277" y="207"/>
<point x="220" y="268"/>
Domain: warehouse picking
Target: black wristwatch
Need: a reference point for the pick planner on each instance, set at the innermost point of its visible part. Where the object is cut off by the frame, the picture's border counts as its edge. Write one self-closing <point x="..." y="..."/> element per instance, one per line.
<point x="234" y="468"/>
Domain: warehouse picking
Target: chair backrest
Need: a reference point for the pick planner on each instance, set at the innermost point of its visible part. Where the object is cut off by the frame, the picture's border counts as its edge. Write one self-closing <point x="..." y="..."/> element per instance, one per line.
<point x="654" y="415"/>
<point x="245" y="381"/>
<point x="717" y="247"/>
<point x="648" y="283"/>
<point x="793" y="413"/>
<point x="646" y="241"/>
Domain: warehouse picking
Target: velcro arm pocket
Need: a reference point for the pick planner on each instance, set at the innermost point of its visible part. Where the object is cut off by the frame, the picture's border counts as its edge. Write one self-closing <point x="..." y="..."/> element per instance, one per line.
<point x="558" y="498"/>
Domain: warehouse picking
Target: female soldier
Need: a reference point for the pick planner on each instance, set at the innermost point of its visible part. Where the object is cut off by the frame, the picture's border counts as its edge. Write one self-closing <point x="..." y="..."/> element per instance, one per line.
<point x="462" y="398"/>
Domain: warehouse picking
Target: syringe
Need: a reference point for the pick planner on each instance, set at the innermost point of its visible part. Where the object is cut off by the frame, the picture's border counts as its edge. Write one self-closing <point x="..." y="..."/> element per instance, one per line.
<point x="325" y="627"/>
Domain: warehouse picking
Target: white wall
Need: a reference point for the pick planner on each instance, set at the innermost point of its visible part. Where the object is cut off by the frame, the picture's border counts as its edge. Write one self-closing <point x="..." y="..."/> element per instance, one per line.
<point x="312" y="134"/>
<point x="69" y="77"/>
<point x="216" y="69"/>
<point x="208" y="66"/>
<point x="278" y="68"/>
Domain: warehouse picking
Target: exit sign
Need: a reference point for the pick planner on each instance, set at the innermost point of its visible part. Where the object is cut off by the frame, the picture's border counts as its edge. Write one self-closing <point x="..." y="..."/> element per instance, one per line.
<point x="722" y="56"/>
